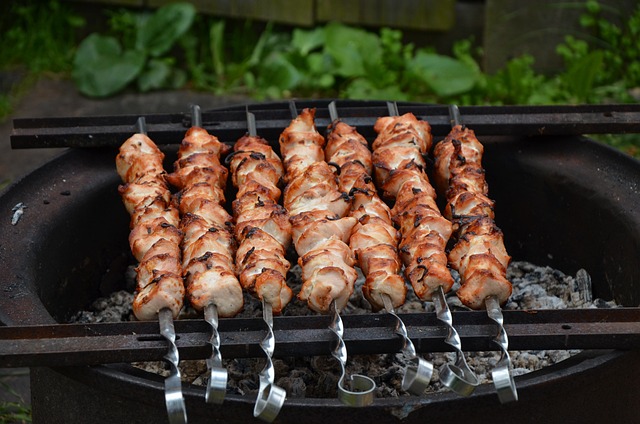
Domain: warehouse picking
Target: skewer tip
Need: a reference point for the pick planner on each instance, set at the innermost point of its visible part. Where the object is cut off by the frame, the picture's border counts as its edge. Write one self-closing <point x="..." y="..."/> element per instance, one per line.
<point x="141" y="125"/>
<point x="293" y="109"/>
<point x="454" y="115"/>
<point x="196" y="116"/>
<point x="392" y="107"/>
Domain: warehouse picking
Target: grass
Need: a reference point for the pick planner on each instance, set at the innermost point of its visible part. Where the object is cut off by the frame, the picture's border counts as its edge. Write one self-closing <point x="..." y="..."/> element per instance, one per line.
<point x="14" y="412"/>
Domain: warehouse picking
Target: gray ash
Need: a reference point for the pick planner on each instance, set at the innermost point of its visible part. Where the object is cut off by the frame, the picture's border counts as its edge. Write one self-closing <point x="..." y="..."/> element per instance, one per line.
<point x="534" y="287"/>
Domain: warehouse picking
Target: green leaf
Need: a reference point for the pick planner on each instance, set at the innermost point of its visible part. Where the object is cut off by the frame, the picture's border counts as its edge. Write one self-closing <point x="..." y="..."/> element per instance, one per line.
<point x="216" y="35"/>
<point x="154" y="75"/>
<point x="354" y="51"/>
<point x="581" y="75"/>
<point x="101" y="68"/>
<point x="318" y="63"/>
<point x="364" y="89"/>
<point x="158" y="33"/>
<point x="278" y="72"/>
<point x="258" y="50"/>
<point x="307" y="41"/>
<point x="444" y="75"/>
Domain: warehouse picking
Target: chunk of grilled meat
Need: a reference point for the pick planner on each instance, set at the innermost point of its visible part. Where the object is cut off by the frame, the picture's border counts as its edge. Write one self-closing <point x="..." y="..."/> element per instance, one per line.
<point x="154" y="237"/>
<point x="317" y="208"/>
<point x="373" y="240"/>
<point x="208" y="246"/>
<point x="399" y="171"/>
<point x="262" y="227"/>
<point x="479" y="254"/>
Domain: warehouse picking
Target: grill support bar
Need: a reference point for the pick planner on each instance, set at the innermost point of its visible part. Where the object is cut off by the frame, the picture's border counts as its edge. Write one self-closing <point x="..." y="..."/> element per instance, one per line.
<point x="92" y="344"/>
<point x="230" y="124"/>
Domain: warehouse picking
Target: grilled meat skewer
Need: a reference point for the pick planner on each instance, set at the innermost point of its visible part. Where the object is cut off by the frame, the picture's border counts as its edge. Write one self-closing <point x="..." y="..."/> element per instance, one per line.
<point x="263" y="230"/>
<point x="317" y="210"/>
<point x="399" y="170"/>
<point x="373" y="239"/>
<point x="208" y="245"/>
<point x="154" y="237"/>
<point x="479" y="254"/>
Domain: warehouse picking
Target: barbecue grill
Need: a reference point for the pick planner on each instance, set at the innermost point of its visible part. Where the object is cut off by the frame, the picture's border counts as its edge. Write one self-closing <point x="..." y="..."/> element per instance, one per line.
<point x="562" y="200"/>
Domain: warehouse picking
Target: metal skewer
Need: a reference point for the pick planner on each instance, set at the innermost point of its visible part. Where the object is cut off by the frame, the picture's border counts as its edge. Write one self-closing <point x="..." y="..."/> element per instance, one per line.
<point x="417" y="375"/>
<point x="361" y="390"/>
<point x="217" y="385"/>
<point x="196" y="116"/>
<point x="271" y="397"/>
<point x="459" y="377"/>
<point x="356" y="390"/>
<point x="174" y="400"/>
<point x="502" y="378"/>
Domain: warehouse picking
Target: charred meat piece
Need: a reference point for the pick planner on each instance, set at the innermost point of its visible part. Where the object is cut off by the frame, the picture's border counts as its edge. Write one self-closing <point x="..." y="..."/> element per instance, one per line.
<point x="479" y="254"/>
<point x="208" y="245"/>
<point x="262" y="230"/>
<point x="399" y="170"/>
<point x="154" y="237"/>
<point x="317" y="209"/>
<point x="373" y="240"/>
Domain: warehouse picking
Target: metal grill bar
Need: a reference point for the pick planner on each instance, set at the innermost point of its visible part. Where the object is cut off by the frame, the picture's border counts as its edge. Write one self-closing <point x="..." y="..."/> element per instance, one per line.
<point x="271" y="119"/>
<point x="92" y="344"/>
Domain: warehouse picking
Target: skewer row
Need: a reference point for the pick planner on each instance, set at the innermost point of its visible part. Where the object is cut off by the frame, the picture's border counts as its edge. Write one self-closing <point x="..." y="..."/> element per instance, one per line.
<point x="356" y="390"/>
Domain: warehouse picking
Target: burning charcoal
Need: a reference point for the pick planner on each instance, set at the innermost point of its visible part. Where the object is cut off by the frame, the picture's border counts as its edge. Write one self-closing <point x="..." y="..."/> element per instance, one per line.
<point x="294" y="384"/>
<point x="534" y="287"/>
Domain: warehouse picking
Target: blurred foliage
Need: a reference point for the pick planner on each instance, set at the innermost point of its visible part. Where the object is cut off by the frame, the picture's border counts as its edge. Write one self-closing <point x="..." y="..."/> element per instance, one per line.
<point x="16" y="412"/>
<point x="105" y="64"/>
<point x="174" y="47"/>
<point x="39" y="35"/>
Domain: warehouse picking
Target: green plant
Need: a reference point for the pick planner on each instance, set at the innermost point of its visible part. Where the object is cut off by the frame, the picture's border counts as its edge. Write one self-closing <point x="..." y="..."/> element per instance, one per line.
<point x="40" y="35"/>
<point x="603" y="64"/>
<point x="105" y="64"/>
<point x="13" y="412"/>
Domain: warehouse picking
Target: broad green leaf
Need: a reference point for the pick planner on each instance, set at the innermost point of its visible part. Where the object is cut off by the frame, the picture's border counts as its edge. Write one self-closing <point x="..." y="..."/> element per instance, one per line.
<point x="363" y="89"/>
<point x="318" y="63"/>
<point x="307" y="41"/>
<point x="101" y="68"/>
<point x="158" y="33"/>
<point x="278" y="72"/>
<point x="154" y="75"/>
<point x="354" y="51"/>
<point x="444" y="75"/>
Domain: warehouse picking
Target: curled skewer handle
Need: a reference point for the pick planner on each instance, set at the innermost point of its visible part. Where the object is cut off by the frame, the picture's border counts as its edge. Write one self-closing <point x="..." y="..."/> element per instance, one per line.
<point x="454" y="115"/>
<point x="270" y="396"/>
<point x="417" y="375"/>
<point x="502" y="378"/>
<point x="174" y="400"/>
<point x="459" y="377"/>
<point x="361" y="388"/>
<point x="196" y="116"/>
<point x="217" y="386"/>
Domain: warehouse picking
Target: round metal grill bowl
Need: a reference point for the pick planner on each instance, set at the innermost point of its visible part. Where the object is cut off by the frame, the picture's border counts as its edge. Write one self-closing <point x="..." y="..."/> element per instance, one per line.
<point x="566" y="202"/>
